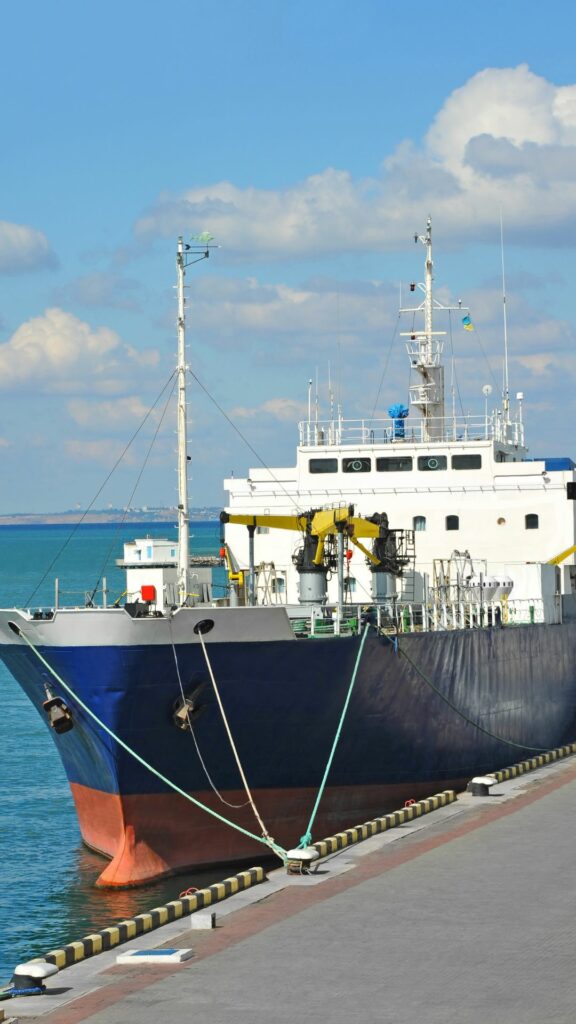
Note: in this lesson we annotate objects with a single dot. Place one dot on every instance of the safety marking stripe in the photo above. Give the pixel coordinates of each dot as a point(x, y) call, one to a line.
point(533, 762)
point(387, 821)
point(108, 938)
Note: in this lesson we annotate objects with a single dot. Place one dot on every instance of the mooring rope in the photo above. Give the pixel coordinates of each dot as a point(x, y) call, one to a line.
point(278, 850)
point(306, 839)
point(265, 832)
point(213, 786)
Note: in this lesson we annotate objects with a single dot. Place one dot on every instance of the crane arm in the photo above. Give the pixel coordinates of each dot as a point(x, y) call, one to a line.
point(274, 522)
point(321, 522)
point(372, 558)
point(562, 556)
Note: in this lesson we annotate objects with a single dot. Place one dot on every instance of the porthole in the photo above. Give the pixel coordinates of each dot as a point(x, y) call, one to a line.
point(501, 521)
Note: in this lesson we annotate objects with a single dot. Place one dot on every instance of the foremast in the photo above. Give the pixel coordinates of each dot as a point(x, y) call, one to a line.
point(183, 513)
point(185, 255)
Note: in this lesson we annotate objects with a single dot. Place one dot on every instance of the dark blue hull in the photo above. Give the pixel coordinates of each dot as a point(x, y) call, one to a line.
point(502, 694)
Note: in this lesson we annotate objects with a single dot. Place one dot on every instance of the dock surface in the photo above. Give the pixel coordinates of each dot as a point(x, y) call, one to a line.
point(465, 916)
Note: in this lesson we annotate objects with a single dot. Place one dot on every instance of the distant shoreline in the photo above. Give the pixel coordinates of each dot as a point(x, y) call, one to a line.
point(71, 518)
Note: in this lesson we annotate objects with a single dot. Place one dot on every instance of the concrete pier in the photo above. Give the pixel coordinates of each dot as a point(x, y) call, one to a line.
point(465, 916)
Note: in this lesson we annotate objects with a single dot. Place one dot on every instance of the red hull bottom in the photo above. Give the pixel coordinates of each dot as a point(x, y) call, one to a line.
point(151, 836)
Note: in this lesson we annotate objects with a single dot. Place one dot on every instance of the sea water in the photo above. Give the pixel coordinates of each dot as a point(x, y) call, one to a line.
point(47, 892)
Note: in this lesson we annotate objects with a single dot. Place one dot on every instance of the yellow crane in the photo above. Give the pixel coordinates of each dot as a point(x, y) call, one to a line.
point(562, 556)
point(317, 527)
point(320, 523)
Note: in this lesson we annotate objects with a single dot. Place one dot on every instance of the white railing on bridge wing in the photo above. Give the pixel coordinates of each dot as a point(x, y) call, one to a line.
point(387, 431)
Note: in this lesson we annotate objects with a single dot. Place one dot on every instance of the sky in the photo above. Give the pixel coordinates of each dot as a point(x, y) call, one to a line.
point(312, 140)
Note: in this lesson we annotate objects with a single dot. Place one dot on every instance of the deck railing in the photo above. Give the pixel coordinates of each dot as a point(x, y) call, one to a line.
point(393, 431)
point(434, 617)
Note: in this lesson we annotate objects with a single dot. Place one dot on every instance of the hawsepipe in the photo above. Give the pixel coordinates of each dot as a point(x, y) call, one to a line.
point(107, 938)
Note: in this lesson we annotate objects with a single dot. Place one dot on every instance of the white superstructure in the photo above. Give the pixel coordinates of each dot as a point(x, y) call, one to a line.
point(462, 484)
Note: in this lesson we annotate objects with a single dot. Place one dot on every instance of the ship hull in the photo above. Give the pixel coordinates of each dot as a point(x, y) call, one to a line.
point(442, 708)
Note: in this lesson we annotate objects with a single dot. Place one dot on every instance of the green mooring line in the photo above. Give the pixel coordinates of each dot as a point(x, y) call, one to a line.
point(306, 839)
point(279, 850)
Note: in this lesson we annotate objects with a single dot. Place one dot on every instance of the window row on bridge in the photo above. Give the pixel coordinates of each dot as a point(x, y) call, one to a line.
point(395, 464)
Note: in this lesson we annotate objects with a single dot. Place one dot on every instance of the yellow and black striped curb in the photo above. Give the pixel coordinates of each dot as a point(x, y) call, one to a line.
point(383, 824)
point(100, 941)
point(534, 762)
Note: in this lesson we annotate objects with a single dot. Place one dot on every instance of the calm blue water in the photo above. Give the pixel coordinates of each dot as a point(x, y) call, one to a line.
point(47, 895)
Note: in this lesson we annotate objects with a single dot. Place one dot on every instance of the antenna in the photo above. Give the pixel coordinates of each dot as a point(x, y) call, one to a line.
point(505, 386)
point(486, 391)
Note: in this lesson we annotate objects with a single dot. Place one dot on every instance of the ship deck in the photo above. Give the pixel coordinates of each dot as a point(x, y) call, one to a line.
point(465, 915)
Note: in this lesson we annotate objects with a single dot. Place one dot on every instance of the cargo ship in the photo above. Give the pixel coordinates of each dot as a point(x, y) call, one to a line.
point(407, 586)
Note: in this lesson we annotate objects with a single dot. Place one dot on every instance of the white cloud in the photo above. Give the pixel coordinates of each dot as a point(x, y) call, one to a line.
point(113, 413)
point(106, 451)
point(23, 248)
point(59, 352)
point(321, 307)
point(286, 410)
point(510, 103)
point(502, 139)
point(102, 289)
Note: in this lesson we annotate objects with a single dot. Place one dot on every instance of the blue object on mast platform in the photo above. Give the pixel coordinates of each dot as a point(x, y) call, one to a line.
point(398, 413)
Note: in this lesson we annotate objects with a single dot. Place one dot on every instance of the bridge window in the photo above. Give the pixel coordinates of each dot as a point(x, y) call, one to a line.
point(531, 521)
point(466, 462)
point(323, 465)
point(419, 523)
point(356, 465)
point(401, 464)
point(432, 462)
point(452, 523)
point(262, 529)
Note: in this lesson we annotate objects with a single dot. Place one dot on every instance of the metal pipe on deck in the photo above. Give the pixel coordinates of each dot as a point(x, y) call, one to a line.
point(340, 536)
point(251, 574)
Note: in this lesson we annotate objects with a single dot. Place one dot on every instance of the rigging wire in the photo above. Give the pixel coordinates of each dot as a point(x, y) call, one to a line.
point(244, 439)
point(385, 367)
point(454, 374)
point(114, 541)
point(65, 544)
point(486, 360)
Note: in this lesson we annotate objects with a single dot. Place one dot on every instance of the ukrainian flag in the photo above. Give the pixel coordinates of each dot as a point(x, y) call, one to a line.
point(467, 323)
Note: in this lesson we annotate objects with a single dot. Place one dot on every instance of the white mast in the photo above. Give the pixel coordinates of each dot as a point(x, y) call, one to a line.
point(183, 522)
point(185, 255)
